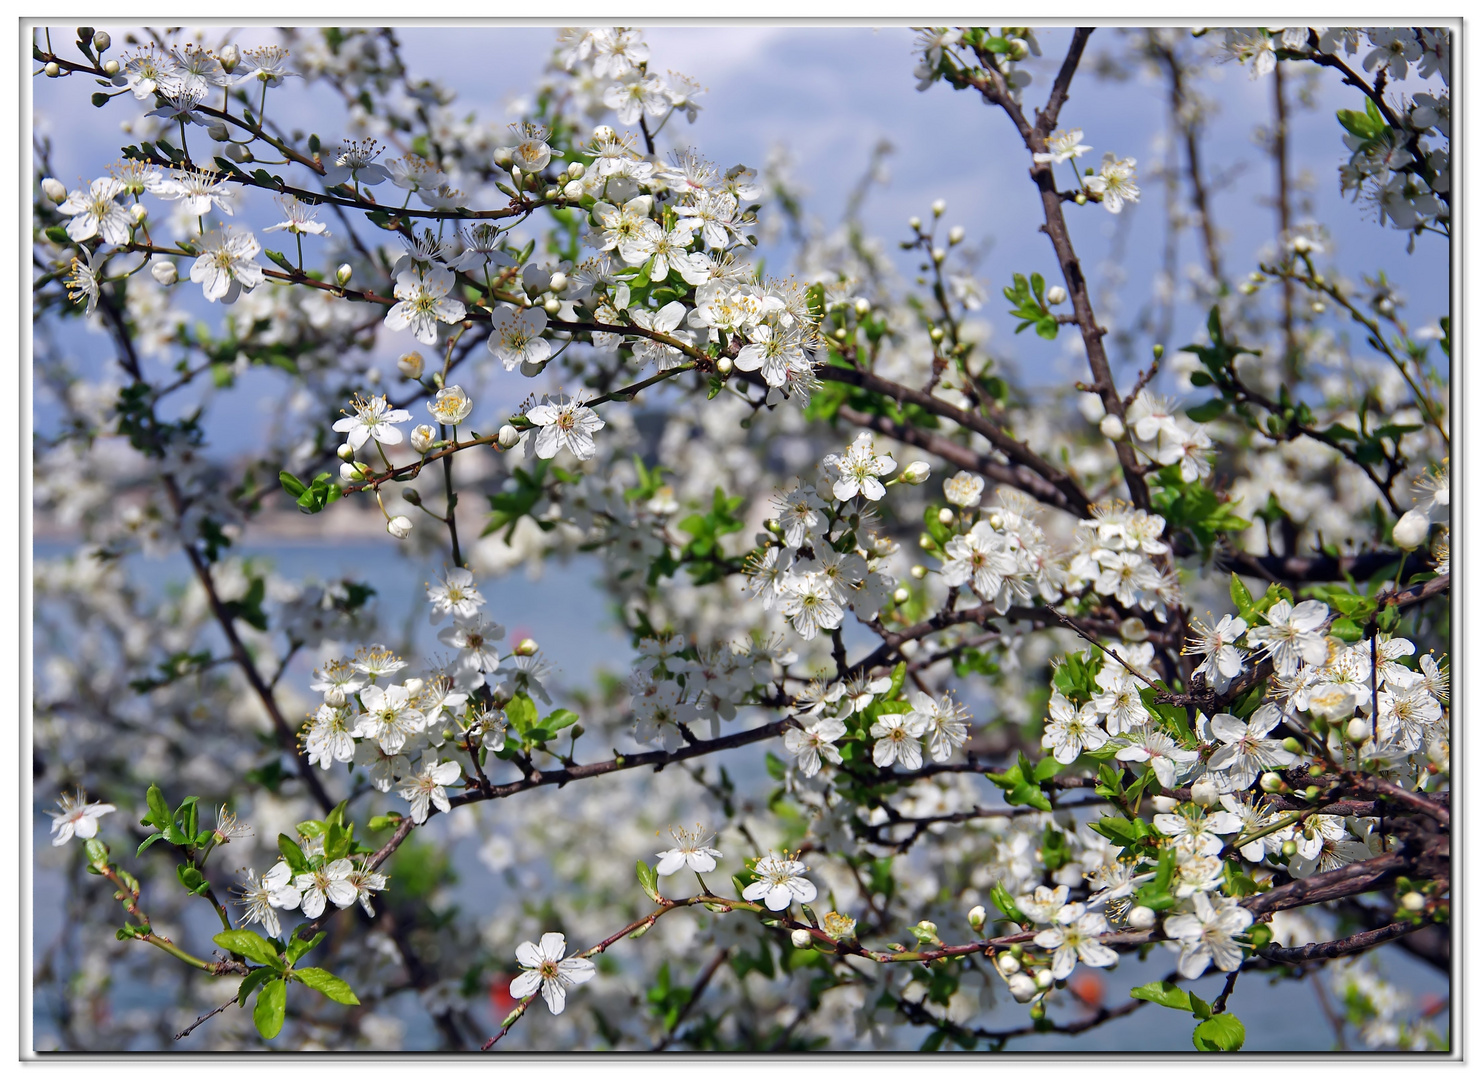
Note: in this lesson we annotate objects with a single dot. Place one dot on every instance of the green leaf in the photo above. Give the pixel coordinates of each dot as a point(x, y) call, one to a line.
point(559, 720)
point(1221, 1033)
point(647, 877)
point(291, 484)
point(1208, 410)
point(159, 810)
point(1347, 630)
point(1200, 1008)
point(272, 1005)
point(293, 854)
point(1241, 595)
point(331, 986)
point(255, 978)
point(1047, 327)
point(522, 713)
point(298, 946)
point(249, 944)
point(1163, 993)
point(1005, 903)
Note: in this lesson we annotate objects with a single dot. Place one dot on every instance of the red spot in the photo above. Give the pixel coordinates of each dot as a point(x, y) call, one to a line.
point(1088, 988)
point(498, 995)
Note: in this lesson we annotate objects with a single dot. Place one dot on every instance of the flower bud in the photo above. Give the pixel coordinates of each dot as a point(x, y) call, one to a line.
point(1271, 782)
point(1080, 199)
point(602, 133)
point(343, 274)
point(111, 68)
point(423, 438)
point(1411, 530)
point(1140, 917)
point(977, 917)
point(139, 212)
point(352, 472)
point(230, 56)
point(1291, 743)
point(552, 192)
point(802, 939)
point(1112, 427)
point(1413, 901)
point(916, 473)
point(411, 365)
point(956, 235)
point(1300, 245)
point(503, 157)
point(724, 365)
point(163, 271)
point(552, 306)
point(1008, 964)
point(938, 207)
point(1359, 730)
point(1289, 848)
point(901, 595)
point(52, 69)
point(937, 335)
point(101, 41)
point(1164, 804)
point(914, 223)
point(1056, 294)
point(238, 153)
point(1022, 987)
point(346, 452)
point(508, 436)
point(54, 189)
point(573, 190)
point(1044, 978)
point(399, 526)
point(917, 572)
point(576, 171)
point(558, 282)
point(861, 306)
point(218, 132)
point(1205, 792)
point(527, 647)
point(937, 255)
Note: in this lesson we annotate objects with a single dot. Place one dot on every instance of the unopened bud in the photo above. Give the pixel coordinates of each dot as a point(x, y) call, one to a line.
point(1313, 793)
point(238, 153)
point(1112, 427)
point(1359, 731)
point(1056, 294)
point(102, 42)
point(1205, 792)
point(345, 452)
point(503, 157)
point(1140, 917)
point(938, 207)
point(802, 939)
point(1079, 199)
point(343, 274)
point(1163, 804)
point(956, 235)
point(1413, 901)
point(917, 572)
point(917, 472)
point(937, 334)
point(724, 365)
point(423, 438)
point(139, 212)
point(1289, 848)
point(111, 68)
point(352, 472)
point(527, 647)
point(399, 526)
point(551, 305)
point(977, 917)
point(1008, 964)
point(558, 282)
point(230, 56)
point(1271, 782)
point(84, 34)
point(573, 190)
point(901, 595)
point(914, 223)
point(54, 189)
point(1022, 987)
point(603, 133)
point(1158, 351)
point(508, 436)
point(576, 171)
point(946, 515)
point(218, 131)
point(1291, 743)
point(1411, 530)
point(164, 272)
point(937, 255)
point(861, 306)
point(552, 192)
point(1044, 978)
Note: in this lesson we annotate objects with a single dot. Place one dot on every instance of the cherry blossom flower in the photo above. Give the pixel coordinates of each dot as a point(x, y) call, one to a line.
point(1206, 934)
point(1291, 635)
point(546, 970)
point(429, 787)
point(858, 469)
point(565, 424)
point(898, 739)
point(779, 882)
point(77, 816)
point(373, 418)
point(1075, 937)
point(515, 338)
point(94, 213)
point(329, 882)
point(424, 302)
point(226, 265)
point(814, 743)
point(263, 896)
point(1071, 731)
point(690, 849)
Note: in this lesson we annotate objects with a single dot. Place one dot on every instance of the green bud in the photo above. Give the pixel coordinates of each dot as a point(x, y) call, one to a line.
point(1291, 744)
